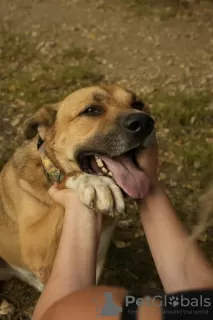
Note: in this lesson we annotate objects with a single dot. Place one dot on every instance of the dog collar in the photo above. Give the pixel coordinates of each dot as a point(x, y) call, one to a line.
point(51, 171)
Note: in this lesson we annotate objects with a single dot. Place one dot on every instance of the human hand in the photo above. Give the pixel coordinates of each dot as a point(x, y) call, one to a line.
point(76, 213)
point(147, 160)
point(65, 197)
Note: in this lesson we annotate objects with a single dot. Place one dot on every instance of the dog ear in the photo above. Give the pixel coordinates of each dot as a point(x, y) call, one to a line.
point(44, 117)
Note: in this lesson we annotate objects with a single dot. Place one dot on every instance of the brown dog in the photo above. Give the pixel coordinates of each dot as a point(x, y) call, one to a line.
point(88, 141)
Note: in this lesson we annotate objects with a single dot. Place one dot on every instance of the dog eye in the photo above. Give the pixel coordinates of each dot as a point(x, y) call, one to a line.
point(92, 111)
point(139, 105)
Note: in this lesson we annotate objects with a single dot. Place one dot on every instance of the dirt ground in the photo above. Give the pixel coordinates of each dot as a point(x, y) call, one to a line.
point(163, 50)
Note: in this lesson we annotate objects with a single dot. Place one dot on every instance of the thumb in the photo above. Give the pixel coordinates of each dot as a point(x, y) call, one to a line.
point(54, 191)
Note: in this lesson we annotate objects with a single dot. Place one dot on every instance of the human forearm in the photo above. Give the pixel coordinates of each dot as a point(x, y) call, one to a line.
point(74, 266)
point(75, 256)
point(179, 261)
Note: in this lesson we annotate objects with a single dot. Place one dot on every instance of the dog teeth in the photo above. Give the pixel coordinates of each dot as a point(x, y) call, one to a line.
point(104, 170)
point(102, 167)
point(99, 162)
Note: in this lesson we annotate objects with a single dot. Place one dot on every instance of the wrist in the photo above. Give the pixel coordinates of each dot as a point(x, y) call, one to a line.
point(155, 191)
point(73, 203)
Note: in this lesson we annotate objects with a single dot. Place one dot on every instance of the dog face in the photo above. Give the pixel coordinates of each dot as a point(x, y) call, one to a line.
point(91, 125)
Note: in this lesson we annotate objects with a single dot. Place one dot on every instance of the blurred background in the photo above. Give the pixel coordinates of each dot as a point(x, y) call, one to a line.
point(162, 50)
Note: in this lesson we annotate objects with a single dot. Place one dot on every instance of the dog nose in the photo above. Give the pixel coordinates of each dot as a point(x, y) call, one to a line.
point(139, 124)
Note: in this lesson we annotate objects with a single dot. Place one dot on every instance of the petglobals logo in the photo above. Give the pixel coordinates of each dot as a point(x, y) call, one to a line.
point(174, 301)
point(172, 304)
point(148, 301)
point(175, 304)
point(110, 308)
point(183, 301)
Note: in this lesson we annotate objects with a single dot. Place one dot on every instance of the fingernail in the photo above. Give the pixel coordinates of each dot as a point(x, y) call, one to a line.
point(91, 205)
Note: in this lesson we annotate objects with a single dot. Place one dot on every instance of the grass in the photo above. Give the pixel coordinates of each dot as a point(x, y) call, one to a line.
point(188, 120)
point(42, 79)
point(166, 9)
point(184, 124)
point(30, 78)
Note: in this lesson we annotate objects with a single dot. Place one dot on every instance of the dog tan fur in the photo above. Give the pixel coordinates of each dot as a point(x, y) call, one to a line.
point(30, 222)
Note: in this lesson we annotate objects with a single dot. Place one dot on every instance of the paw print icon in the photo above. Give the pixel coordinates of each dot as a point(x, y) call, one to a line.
point(173, 301)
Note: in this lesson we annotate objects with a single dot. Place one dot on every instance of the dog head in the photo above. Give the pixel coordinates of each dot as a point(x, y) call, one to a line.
point(96, 130)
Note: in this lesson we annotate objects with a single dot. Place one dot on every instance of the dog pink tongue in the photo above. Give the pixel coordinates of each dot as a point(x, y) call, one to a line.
point(128, 177)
